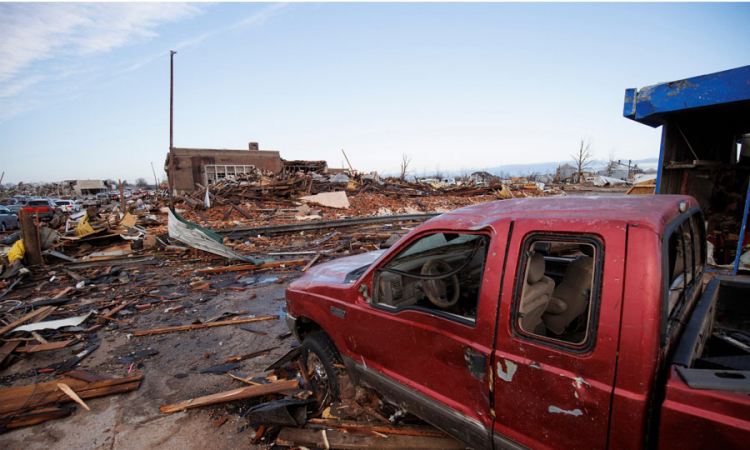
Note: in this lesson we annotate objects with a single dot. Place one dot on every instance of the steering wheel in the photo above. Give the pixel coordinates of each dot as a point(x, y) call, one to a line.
point(436, 288)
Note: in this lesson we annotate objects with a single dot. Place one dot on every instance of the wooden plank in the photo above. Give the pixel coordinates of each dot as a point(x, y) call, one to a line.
point(38, 416)
point(6, 350)
point(114, 311)
point(63, 292)
point(248, 267)
point(312, 261)
point(406, 430)
point(72, 394)
point(85, 376)
point(236, 394)
point(30, 231)
point(249, 355)
point(237, 208)
point(46, 393)
point(303, 437)
point(45, 347)
point(23, 319)
point(201, 325)
point(244, 380)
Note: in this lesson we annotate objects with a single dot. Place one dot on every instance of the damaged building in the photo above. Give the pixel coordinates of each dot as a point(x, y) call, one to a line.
point(85, 187)
point(204, 166)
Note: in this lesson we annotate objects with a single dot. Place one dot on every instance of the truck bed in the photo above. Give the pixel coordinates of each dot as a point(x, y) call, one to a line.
point(714, 352)
point(707, 398)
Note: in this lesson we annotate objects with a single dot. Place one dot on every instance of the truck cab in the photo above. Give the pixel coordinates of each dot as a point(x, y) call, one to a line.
point(526, 323)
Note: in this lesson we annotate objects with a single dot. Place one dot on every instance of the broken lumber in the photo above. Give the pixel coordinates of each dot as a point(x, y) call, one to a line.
point(201, 325)
point(45, 347)
point(45, 394)
point(312, 261)
point(104, 318)
point(249, 355)
point(6, 351)
point(23, 319)
point(302, 437)
point(247, 267)
point(72, 394)
point(406, 430)
point(38, 416)
point(236, 394)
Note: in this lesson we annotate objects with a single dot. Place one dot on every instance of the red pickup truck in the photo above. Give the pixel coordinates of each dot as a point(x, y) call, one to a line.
point(541, 323)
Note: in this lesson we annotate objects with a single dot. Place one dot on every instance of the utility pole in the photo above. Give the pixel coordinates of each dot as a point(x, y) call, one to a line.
point(171, 132)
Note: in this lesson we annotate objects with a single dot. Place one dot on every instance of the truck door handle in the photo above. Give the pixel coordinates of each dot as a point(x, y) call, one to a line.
point(475, 363)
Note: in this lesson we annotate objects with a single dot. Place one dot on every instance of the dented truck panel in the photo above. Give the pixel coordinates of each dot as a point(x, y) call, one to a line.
point(571, 387)
point(711, 419)
point(523, 390)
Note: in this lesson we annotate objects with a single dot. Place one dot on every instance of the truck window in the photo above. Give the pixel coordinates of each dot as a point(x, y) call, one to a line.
point(685, 253)
point(439, 274)
point(557, 293)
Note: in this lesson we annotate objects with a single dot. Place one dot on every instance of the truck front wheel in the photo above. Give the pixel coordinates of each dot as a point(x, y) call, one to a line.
point(322, 364)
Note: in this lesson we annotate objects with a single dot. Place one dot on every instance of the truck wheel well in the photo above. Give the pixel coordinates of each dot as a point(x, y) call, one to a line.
point(306, 326)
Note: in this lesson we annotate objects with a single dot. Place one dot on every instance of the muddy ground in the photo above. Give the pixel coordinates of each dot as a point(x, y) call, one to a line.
point(133, 420)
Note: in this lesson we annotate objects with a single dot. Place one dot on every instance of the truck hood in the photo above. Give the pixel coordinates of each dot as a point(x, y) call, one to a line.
point(341, 270)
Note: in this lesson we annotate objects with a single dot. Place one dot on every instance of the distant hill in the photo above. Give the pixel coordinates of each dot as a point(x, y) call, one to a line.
point(517, 170)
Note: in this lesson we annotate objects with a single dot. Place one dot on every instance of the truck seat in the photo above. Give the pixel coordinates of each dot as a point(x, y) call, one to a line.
point(536, 294)
point(572, 295)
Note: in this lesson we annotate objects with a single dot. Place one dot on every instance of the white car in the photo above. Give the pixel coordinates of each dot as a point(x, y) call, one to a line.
point(68, 206)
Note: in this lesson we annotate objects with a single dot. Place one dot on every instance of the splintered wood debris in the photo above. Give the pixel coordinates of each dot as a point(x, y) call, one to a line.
point(112, 273)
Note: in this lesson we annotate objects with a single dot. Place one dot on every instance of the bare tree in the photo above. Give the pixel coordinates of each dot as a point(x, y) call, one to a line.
point(405, 160)
point(141, 183)
point(582, 158)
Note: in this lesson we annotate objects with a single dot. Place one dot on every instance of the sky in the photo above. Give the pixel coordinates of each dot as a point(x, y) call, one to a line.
point(84, 87)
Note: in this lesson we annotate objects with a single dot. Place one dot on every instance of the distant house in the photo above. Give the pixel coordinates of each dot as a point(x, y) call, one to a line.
point(567, 172)
point(616, 170)
point(620, 171)
point(86, 187)
point(546, 179)
point(481, 178)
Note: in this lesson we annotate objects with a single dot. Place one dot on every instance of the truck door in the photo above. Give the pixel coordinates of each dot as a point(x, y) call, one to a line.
point(556, 352)
point(429, 339)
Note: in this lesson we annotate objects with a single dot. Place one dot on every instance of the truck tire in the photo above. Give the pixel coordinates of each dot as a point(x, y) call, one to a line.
point(323, 361)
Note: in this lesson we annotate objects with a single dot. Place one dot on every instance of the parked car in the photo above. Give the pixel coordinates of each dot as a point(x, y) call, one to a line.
point(91, 200)
point(68, 206)
point(8, 219)
point(541, 323)
point(114, 196)
point(44, 207)
point(102, 198)
point(12, 204)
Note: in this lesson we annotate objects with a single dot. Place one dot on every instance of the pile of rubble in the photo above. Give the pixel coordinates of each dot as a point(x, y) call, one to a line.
point(69, 286)
point(266, 198)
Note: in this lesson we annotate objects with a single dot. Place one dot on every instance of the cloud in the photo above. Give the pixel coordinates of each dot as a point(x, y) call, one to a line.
point(31, 33)
point(256, 19)
point(260, 17)
point(13, 88)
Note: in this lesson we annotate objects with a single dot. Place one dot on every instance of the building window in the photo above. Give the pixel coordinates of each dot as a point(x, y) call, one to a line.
point(216, 172)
